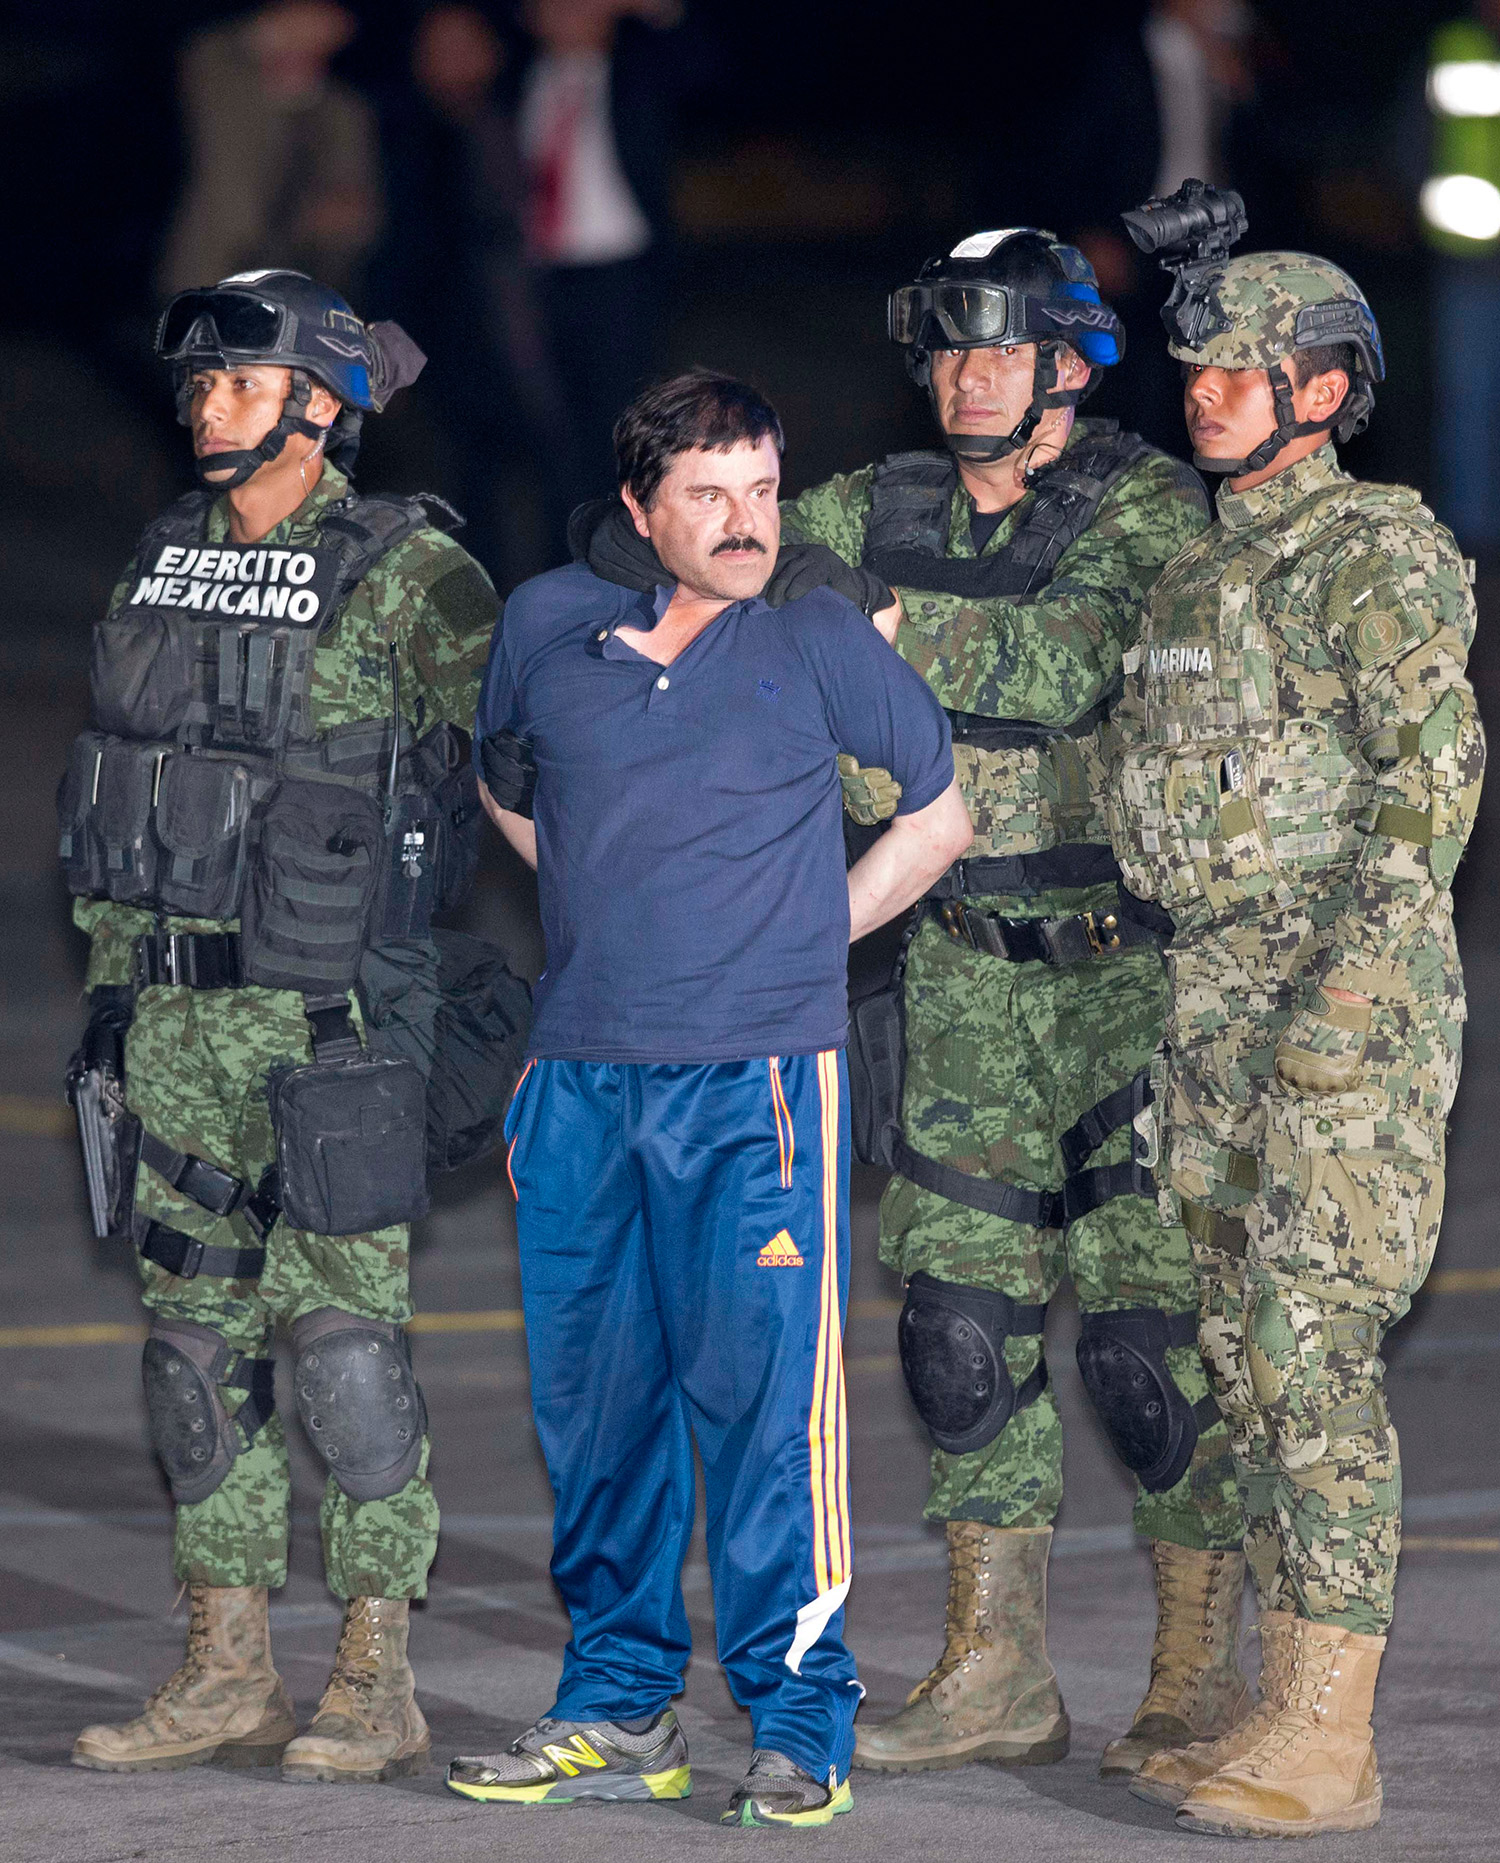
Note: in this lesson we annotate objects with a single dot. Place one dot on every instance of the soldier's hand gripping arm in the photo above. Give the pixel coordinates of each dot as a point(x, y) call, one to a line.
point(1048, 659)
point(1401, 615)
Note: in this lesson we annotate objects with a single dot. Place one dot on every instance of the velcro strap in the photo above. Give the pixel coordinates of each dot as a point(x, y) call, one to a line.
point(262, 1209)
point(1086, 1135)
point(187, 1258)
point(1206, 1412)
point(257, 1378)
point(191, 960)
point(1030, 1389)
point(1355, 1417)
point(209, 1187)
point(1403, 824)
point(334, 1037)
point(1214, 1230)
point(1086, 1191)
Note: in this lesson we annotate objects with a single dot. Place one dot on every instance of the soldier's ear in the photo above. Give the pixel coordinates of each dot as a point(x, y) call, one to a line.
point(322, 406)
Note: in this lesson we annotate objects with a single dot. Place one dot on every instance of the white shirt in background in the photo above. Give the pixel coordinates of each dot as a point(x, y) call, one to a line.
point(583, 212)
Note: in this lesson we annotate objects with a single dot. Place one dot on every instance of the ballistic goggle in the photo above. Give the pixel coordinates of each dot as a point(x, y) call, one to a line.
point(949, 314)
point(223, 322)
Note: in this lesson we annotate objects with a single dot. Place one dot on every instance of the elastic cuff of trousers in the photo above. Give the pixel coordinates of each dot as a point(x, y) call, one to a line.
point(224, 1577)
point(1030, 1518)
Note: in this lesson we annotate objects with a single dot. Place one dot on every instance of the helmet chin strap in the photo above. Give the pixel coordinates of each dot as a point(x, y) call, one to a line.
point(1287, 427)
point(244, 462)
point(984, 449)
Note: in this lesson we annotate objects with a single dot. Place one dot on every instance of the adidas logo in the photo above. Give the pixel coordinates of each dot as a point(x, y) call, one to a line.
point(779, 1252)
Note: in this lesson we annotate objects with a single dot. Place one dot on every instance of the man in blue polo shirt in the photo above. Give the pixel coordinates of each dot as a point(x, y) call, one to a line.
point(679, 1144)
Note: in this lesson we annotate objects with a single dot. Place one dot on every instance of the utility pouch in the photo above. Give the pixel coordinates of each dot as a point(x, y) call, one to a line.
point(456, 799)
point(351, 1132)
point(312, 884)
point(203, 826)
point(104, 813)
point(877, 1060)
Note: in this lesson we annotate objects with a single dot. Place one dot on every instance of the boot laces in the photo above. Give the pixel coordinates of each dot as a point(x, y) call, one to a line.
point(194, 1664)
point(1308, 1687)
point(1187, 1628)
point(968, 1609)
point(357, 1664)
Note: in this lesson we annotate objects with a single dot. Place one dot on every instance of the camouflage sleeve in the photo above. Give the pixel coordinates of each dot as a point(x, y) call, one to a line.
point(1052, 658)
point(445, 612)
point(112, 930)
point(833, 513)
point(1399, 606)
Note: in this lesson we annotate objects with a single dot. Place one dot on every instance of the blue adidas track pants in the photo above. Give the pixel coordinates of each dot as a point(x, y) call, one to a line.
point(684, 1237)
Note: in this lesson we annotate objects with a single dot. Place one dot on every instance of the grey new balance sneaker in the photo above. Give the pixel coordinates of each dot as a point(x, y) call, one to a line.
point(556, 1762)
point(775, 1791)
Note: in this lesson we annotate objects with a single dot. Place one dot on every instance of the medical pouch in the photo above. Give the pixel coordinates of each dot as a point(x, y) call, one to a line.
point(307, 906)
point(203, 809)
point(351, 1143)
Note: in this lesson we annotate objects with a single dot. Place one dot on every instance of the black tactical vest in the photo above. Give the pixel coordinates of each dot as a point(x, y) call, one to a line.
point(200, 683)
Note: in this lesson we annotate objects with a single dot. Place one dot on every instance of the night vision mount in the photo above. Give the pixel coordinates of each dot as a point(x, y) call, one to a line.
point(1190, 232)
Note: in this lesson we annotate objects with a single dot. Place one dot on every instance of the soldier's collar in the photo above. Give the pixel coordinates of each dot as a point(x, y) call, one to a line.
point(1264, 503)
point(331, 486)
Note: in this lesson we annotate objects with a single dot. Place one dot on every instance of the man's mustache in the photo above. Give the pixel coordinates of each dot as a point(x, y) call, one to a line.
point(733, 545)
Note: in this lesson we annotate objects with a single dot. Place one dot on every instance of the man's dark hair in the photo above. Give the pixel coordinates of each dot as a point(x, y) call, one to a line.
point(699, 408)
point(1306, 363)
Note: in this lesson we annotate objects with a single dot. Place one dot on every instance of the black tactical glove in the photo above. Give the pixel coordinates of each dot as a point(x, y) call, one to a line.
point(803, 567)
point(509, 771)
point(602, 534)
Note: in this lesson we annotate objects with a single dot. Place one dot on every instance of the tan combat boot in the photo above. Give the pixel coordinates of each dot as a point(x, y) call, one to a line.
point(993, 1694)
point(225, 1703)
point(1168, 1777)
point(1197, 1691)
point(368, 1725)
point(1313, 1769)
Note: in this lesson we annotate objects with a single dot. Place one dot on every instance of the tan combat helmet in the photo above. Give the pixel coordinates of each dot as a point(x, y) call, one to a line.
point(1254, 310)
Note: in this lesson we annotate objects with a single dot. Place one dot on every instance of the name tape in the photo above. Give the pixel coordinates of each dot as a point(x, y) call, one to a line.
point(282, 585)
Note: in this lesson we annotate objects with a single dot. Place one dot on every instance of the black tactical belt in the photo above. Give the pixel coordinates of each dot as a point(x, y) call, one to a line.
point(1077, 864)
point(187, 1257)
point(1042, 941)
point(197, 960)
point(217, 1191)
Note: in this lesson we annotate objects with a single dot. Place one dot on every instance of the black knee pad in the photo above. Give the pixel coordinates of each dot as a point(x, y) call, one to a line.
point(1123, 1359)
point(359, 1401)
point(952, 1345)
point(184, 1365)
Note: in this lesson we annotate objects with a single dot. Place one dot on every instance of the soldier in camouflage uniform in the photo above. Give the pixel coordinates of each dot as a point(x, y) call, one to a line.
point(1301, 759)
point(272, 370)
point(1033, 1008)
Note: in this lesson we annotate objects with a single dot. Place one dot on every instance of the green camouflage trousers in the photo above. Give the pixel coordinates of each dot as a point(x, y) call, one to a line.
point(1002, 1059)
point(196, 1064)
point(1314, 1221)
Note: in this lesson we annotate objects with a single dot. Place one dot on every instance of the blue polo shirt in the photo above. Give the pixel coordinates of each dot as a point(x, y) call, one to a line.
point(690, 851)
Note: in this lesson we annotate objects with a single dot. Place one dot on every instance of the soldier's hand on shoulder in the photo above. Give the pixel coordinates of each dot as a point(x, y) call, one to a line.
point(1322, 1048)
point(602, 534)
point(870, 795)
point(803, 567)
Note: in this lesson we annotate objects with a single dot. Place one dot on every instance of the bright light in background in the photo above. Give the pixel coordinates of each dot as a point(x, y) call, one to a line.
point(1463, 204)
point(1465, 87)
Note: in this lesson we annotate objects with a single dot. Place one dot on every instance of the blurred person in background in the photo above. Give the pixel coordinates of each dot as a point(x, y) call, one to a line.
point(284, 165)
point(454, 267)
point(1460, 211)
point(595, 95)
point(1033, 1007)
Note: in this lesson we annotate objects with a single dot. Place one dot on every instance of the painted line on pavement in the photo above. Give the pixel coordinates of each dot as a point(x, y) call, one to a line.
point(59, 1669)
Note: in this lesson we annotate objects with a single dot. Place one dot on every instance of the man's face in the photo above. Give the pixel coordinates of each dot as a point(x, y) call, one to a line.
point(232, 410)
point(714, 520)
point(1228, 411)
point(988, 390)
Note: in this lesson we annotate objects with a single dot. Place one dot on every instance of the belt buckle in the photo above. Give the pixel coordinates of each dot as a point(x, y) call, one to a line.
point(1103, 934)
point(192, 1261)
point(172, 959)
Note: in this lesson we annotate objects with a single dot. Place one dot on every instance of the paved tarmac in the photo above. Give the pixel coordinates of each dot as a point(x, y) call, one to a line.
point(87, 1619)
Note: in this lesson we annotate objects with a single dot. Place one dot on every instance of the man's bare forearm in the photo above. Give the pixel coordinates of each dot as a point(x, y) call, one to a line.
point(912, 853)
point(517, 829)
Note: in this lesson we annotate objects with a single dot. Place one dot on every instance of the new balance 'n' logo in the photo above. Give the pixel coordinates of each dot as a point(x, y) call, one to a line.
point(779, 1252)
point(571, 1758)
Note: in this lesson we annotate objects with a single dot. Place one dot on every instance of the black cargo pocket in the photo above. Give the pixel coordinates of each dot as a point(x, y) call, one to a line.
point(202, 824)
point(307, 906)
point(351, 1144)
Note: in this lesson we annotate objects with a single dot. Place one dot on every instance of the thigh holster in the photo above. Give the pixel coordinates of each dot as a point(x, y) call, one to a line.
point(952, 1344)
point(1123, 1360)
